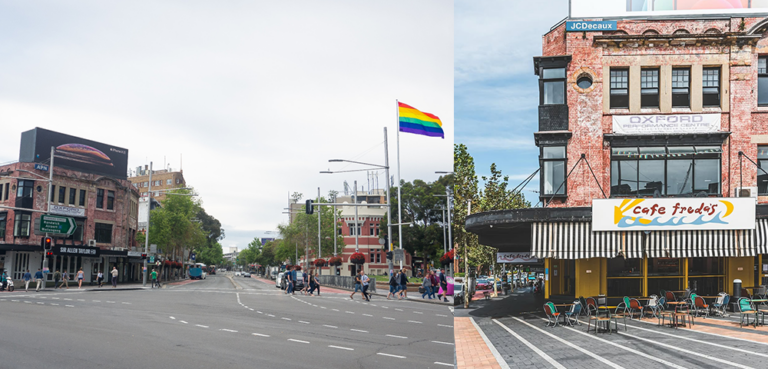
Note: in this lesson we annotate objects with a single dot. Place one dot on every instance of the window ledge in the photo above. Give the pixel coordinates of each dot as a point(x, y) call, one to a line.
point(618, 111)
point(762, 109)
point(681, 110)
point(711, 109)
point(550, 196)
point(655, 110)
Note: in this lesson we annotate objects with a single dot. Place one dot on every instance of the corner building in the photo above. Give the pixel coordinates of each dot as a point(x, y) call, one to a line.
point(658, 112)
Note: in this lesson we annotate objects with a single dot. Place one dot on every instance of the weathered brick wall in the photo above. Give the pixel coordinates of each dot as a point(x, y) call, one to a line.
point(588, 121)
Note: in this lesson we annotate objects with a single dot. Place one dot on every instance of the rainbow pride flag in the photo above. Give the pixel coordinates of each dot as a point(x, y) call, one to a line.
point(418, 122)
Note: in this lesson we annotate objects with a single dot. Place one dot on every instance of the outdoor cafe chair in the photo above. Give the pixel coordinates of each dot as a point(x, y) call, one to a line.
point(634, 306)
point(591, 306)
point(700, 306)
point(583, 302)
point(573, 314)
point(553, 317)
point(721, 304)
point(683, 313)
point(670, 296)
point(623, 305)
point(746, 310)
point(600, 320)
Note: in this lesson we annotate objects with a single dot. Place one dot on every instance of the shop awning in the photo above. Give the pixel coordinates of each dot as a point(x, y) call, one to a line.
point(700, 244)
point(575, 240)
point(762, 236)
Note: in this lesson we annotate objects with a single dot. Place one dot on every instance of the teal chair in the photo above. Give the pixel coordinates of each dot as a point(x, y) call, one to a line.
point(745, 310)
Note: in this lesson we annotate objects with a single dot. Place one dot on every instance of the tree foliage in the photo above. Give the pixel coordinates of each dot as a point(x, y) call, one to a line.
point(302, 234)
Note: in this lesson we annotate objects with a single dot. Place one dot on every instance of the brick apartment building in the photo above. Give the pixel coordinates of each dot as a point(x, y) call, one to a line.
point(656, 112)
point(97, 195)
point(163, 179)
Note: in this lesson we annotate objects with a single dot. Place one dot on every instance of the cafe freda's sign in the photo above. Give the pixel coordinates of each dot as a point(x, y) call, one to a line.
point(672, 214)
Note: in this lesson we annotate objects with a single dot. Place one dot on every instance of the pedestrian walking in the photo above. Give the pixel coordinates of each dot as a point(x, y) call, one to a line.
point(393, 284)
point(444, 285)
point(426, 284)
point(311, 284)
point(27, 278)
point(65, 279)
point(358, 285)
point(290, 279)
point(305, 278)
point(3, 281)
point(435, 283)
point(403, 284)
point(114, 277)
point(39, 280)
point(56, 278)
point(317, 284)
point(100, 278)
point(366, 281)
point(153, 277)
point(80, 277)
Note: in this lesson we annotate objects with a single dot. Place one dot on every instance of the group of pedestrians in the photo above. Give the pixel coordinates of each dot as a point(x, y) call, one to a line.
point(362, 282)
point(398, 284)
point(310, 285)
point(433, 283)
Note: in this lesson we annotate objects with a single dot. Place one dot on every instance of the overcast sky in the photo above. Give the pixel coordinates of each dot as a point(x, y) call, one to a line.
point(497, 93)
point(256, 95)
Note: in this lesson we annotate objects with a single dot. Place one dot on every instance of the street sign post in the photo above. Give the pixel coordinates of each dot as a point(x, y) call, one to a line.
point(57, 224)
point(152, 259)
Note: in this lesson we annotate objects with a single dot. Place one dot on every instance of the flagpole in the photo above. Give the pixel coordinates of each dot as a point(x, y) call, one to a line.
point(399, 203)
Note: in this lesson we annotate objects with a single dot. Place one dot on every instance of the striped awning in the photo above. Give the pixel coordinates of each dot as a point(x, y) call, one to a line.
point(700, 244)
point(575, 240)
point(761, 246)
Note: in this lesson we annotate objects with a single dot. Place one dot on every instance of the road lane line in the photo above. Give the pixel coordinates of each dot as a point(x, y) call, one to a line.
point(443, 343)
point(392, 335)
point(414, 321)
point(367, 315)
point(172, 317)
point(444, 316)
point(439, 363)
point(301, 321)
point(397, 356)
point(342, 348)
point(260, 335)
point(70, 306)
point(386, 317)
point(28, 302)
point(335, 309)
point(68, 299)
point(398, 309)
point(299, 341)
point(418, 312)
point(54, 298)
point(358, 330)
point(567, 343)
point(330, 326)
point(258, 311)
point(349, 312)
point(443, 325)
point(110, 302)
point(228, 330)
point(54, 304)
point(270, 315)
point(77, 299)
point(285, 318)
point(183, 321)
point(127, 303)
point(201, 326)
point(250, 309)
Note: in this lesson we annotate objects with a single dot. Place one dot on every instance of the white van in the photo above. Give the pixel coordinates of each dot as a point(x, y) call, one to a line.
point(279, 280)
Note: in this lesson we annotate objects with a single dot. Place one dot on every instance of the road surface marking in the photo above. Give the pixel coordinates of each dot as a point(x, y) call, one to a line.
point(201, 326)
point(413, 321)
point(93, 300)
point(55, 298)
point(358, 330)
point(41, 303)
point(443, 343)
point(301, 321)
point(349, 312)
point(183, 321)
point(342, 348)
point(373, 305)
point(418, 312)
point(285, 318)
point(439, 363)
point(68, 299)
point(250, 309)
point(392, 335)
point(77, 299)
point(367, 315)
point(15, 300)
point(227, 330)
point(110, 302)
point(70, 306)
point(299, 341)
point(127, 303)
point(172, 317)
point(330, 326)
point(443, 325)
point(54, 304)
point(27, 302)
point(260, 335)
point(322, 307)
point(386, 317)
point(270, 315)
point(444, 316)
point(386, 307)
point(397, 356)
point(398, 309)
point(335, 309)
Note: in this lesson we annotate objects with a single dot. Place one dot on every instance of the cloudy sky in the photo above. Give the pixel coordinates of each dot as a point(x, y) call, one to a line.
point(496, 90)
point(256, 95)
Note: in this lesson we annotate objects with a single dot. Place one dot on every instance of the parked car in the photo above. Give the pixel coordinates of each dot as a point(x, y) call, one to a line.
point(237, 274)
point(483, 284)
point(297, 286)
point(246, 275)
point(279, 281)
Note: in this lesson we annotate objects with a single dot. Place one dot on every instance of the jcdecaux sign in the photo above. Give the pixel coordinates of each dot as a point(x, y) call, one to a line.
point(590, 26)
point(673, 214)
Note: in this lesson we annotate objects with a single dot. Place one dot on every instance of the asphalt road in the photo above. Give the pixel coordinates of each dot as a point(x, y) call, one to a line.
point(211, 322)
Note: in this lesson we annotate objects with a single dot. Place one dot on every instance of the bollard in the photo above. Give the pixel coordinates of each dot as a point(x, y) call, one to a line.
point(736, 295)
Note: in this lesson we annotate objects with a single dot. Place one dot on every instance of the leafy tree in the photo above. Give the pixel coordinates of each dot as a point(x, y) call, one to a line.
point(267, 255)
point(213, 255)
point(296, 197)
point(303, 232)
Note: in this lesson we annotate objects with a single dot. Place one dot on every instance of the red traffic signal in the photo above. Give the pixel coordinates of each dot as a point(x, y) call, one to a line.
point(143, 256)
point(47, 243)
point(49, 253)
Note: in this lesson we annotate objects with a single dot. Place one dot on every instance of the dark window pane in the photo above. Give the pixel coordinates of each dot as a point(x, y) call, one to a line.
point(553, 152)
point(103, 233)
point(707, 176)
point(679, 177)
point(625, 173)
point(554, 175)
point(762, 177)
point(100, 198)
point(761, 66)
point(619, 88)
point(680, 87)
point(649, 100)
point(554, 92)
point(584, 83)
point(62, 194)
point(110, 200)
point(651, 177)
point(552, 73)
point(762, 90)
point(82, 198)
point(72, 195)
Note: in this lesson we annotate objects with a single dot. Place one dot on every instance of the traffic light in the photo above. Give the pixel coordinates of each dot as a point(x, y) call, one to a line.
point(389, 255)
point(309, 210)
point(49, 253)
point(47, 243)
point(143, 256)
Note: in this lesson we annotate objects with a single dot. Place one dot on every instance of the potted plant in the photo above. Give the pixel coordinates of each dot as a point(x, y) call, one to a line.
point(335, 261)
point(320, 263)
point(357, 258)
point(447, 258)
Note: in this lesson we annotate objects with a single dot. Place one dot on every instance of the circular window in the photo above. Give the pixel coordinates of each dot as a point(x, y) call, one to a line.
point(584, 82)
point(39, 189)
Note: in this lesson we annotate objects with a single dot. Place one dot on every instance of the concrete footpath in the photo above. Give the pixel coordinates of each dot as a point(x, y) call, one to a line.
point(105, 287)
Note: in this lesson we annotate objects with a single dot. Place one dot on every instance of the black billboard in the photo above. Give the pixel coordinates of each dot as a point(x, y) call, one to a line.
point(73, 153)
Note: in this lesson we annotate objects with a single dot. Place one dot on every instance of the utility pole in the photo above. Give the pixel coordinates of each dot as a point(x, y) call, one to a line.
point(357, 230)
point(335, 227)
point(48, 211)
point(449, 199)
point(146, 233)
point(319, 234)
point(389, 201)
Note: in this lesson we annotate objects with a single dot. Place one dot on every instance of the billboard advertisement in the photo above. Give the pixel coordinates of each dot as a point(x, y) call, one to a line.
point(673, 214)
point(74, 153)
point(645, 8)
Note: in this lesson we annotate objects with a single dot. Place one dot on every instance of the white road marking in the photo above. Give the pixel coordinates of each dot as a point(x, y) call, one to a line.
point(392, 335)
point(110, 302)
point(285, 318)
point(54, 298)
point(127, 303)
point(70, 306)
point(299, 341)
point(367, 315)
point(335, 309)
point(259, 312)
point(15, 300)
point(201, 326)
point(54, 304)
point(322, 307)
point(398, 309)
point(418, 312)
point(386, 307)
point(301, 321)
point(41, 303)
point(414, 321)
point(77, 299)
point(443, 343)
point(349, 312)
point(397, 356)
point(270, 315)
point(444, 316)
point(250, 309)
point(358, 330)
point(183, 321)
point(228, 330)
point(443, 325)
point(439, 363)
point(386, 317)
point(172, 317)
point(751, 352)
point(260, 335)
point(374, 305)
point(342, 348)
point(93, 300)
point(68, 299)
point(28, 302)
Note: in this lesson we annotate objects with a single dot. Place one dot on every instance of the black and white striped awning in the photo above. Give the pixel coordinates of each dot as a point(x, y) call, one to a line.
point(575, 240)
point(761, 246)
point(700, 244)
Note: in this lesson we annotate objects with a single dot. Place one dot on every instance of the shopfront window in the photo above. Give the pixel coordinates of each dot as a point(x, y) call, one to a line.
point(665, 171)
point(762, 170)
point(625, 277)
point(706, 275)
point(3, 222)
point(553, 86)
point(665, 274)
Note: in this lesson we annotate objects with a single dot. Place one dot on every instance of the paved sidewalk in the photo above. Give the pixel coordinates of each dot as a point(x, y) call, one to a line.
point(471, 350)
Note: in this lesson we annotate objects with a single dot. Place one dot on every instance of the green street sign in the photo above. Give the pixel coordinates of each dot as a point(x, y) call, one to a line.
point(152, 259)
point(57, 224)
